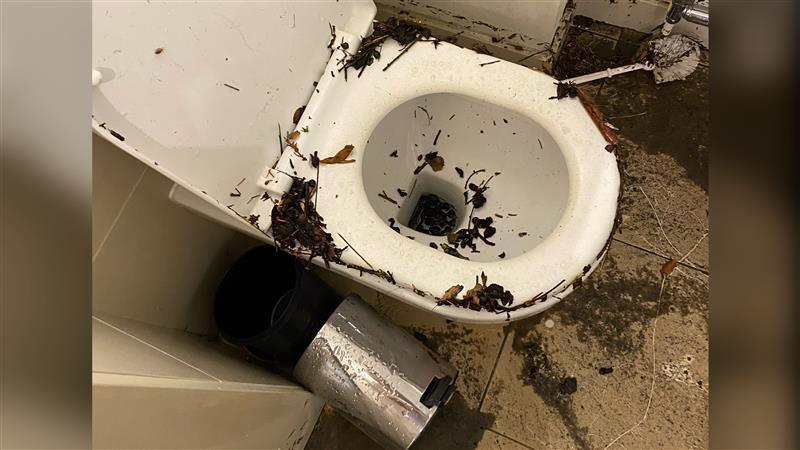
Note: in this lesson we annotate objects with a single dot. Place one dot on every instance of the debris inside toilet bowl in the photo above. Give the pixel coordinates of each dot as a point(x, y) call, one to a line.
point(452, 251)
point(386, 197)
point(433, 215)
point(478, 199)
point(392, 225)
point(431, 159)
point(465, 237)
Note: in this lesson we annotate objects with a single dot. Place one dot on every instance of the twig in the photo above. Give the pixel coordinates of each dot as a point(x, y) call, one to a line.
point(658, 219)
point(653, 382)
point(627, 116)
point(661, 255)
point(402, 52)
point(534, 54)
point(356, 251)
point(694, 247)
point(383, 195)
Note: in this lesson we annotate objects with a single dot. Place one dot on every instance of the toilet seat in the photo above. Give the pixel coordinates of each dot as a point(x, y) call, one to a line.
point(347, 112)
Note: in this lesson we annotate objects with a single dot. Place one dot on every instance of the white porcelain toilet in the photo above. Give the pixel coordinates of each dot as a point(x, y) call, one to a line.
point(552, 185)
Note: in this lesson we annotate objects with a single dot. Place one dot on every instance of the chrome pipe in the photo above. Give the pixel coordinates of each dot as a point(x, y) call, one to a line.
point(697, 14)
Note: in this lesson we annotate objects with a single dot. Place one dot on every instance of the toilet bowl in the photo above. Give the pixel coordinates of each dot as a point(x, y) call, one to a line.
point(552, 195)
point(551, 187)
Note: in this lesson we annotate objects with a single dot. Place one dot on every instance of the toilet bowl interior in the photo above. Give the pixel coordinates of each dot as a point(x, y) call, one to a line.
point(514, 158)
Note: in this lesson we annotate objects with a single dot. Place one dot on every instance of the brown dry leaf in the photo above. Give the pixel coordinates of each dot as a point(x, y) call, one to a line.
point(436, 163)
point(452, 292)
point(293, 136)
point(668, 267)
point(340, 157)
point(298, 114)
point(473, 295)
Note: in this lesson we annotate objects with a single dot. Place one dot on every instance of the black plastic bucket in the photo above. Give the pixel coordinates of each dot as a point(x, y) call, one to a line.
point(272, 306)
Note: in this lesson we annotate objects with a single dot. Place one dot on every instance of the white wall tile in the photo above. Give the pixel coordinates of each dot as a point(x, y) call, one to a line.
point(115, 352)
point(140, 412)
point(161, 263)
point(114, 176)
point(213, 357)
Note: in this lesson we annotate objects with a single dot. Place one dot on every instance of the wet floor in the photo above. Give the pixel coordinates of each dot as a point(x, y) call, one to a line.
point(623, 361)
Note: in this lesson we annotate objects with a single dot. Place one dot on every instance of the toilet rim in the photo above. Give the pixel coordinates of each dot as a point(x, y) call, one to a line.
point(358, 106)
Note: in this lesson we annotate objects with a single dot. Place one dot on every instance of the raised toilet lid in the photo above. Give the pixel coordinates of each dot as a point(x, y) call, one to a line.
point(198, 90)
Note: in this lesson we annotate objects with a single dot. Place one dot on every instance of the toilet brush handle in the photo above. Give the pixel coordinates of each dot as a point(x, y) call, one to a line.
point(608, 73)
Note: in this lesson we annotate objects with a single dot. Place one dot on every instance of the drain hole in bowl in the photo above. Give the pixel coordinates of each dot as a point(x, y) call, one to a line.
point(433, 215)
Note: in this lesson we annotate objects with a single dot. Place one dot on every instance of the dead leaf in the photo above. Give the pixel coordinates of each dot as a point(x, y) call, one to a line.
point(473, 295)
point(668, 267)
point(291, 137)
point(340, 157)
point(290, 141)
point(298, 114)
point(436, 163)
point(451, 293)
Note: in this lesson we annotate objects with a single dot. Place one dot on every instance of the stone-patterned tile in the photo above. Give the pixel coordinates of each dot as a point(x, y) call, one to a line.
point(494, 441)
point(608, 324)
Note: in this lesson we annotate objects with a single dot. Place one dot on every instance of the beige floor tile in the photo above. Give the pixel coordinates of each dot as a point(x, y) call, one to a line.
point(494, 441)
point(608, 323)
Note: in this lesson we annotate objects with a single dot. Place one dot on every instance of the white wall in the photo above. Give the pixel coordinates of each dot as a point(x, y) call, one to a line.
point(153, 261)
point(536, 19)
point(512, 30)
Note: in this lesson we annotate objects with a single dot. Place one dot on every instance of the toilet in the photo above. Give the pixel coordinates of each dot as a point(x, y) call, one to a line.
point(440, 125)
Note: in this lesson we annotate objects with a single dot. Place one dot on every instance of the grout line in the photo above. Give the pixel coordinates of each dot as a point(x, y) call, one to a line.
point(491, 375)
point(155, 348)
point(510, 438)
point(119, 213)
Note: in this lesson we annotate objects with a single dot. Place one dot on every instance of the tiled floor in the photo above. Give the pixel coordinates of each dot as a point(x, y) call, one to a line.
point(514, 390)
